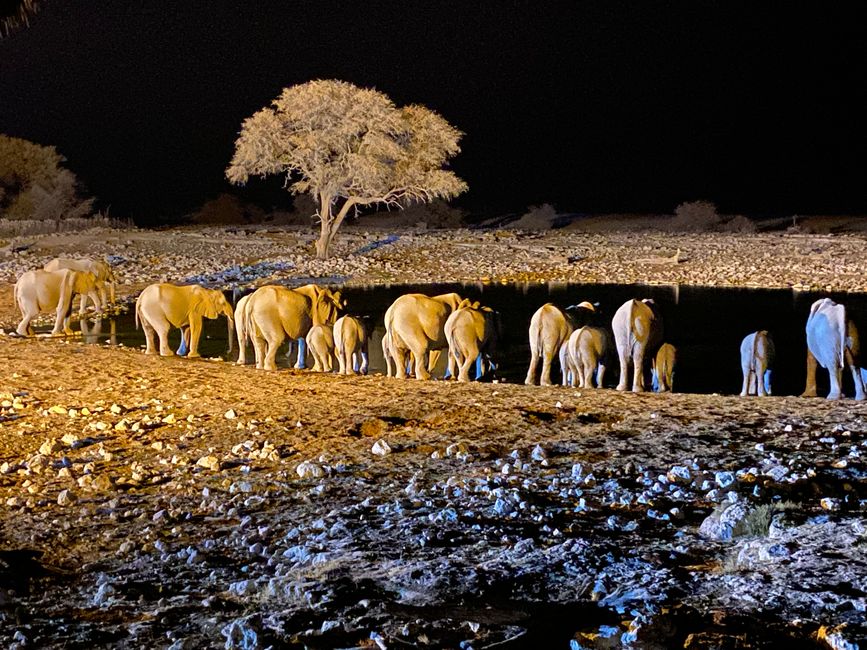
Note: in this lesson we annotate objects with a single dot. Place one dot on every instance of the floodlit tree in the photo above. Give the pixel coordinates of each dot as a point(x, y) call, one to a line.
point(34, 185)
point(15, 13)
point(348, 147)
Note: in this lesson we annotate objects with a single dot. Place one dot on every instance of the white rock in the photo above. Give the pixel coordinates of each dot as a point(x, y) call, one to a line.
point(209, 462)
point(230, 414)
point(308, 469)
point(381, 448)
point(66, 498)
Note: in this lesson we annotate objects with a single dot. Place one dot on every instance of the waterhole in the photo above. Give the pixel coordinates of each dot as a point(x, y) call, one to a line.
point(705, 324)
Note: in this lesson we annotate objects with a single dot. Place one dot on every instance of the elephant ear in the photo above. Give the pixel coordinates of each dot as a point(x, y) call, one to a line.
point(197, 304)
point(465, 304)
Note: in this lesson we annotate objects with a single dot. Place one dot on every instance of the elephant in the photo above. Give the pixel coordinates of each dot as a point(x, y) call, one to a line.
point(638, 331)
point(663, 367)
point(274, 312)
point(241, 329)
point(757, 358)
point(471, 332)
point(832, 342)
point(320, 341)
point(415, 324)
point(550, 328)
point(37, 291)
point(100, 268)
point(351, 338)
point(159, 307)
point(587, 350)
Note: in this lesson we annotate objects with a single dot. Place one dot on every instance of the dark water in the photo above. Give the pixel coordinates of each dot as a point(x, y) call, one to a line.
point(705, 324)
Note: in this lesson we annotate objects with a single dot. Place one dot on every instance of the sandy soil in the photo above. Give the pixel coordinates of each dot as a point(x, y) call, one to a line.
point(141, 492)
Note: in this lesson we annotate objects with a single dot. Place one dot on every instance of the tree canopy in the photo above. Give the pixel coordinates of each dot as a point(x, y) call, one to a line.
point(349, 147)
point(34, 185)
point(15, 13)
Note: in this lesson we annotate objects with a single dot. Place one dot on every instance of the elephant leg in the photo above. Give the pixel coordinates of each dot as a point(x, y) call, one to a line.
point(301, 363)
point(534, 363)
point(856, 375)
point(836, 376)
point(469, 358)
point(759, 374)
point(745, 388)
point(655, 383)
point(400, 361)
point(638, 370)
point(547, 362)
point(453, 364)
point(149, 333)
point(766, 380)
point(624, 368)
point(162, 330)
point(600, 375)
point(194, 333)
point(365, 359)
point(259, 351)
point(812, 364)
point(24, 328)
point(420, 354)
point(587, 374)
point(269, 362)
point(343, 356)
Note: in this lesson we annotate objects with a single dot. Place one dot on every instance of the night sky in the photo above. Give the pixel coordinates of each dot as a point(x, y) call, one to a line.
point(592, 106)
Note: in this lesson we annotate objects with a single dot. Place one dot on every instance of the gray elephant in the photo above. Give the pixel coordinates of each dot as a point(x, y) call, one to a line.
point(471, 331)
point(550, 328)
point(663, 367)
point(757, 360)
point(415, 324)
point(832, 342)
point(273, 312)
point(101, 270)
point(162, 306)
point(39, 291)
point(587, 352)
point(320, 342)
point(351, 339)
point(638, 331)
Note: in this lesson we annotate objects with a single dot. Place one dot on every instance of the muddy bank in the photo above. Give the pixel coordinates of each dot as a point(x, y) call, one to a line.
point(159, 502)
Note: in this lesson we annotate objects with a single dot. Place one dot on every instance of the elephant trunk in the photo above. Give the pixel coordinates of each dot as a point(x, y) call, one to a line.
point(230, 319)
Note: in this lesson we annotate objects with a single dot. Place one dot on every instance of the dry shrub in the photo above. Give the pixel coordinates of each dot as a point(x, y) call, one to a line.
point(537, 217)
point(25, 227)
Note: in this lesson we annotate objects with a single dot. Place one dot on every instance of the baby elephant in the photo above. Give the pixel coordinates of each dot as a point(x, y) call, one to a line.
point(662, 368)
point(320, 340)
point(351, 337)
point(757, 357)
point(585, 355)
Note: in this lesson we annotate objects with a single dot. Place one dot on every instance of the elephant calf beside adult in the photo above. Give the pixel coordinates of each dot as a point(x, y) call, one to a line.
point(42, 291)
point(351, 338)
point(415, 324)
point(163, 306)
point(587, 352)
point(832, 342)
point(638, 333)
point(550, 328)
point(272, 313)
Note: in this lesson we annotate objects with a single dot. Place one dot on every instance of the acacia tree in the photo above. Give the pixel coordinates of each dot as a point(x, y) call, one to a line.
point(15, 13)
point(348, 147)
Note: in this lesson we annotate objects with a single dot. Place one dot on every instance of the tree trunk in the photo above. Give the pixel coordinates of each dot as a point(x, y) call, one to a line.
point(326, 230)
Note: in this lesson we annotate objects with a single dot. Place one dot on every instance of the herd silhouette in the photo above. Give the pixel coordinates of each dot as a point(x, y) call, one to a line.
point(418, 328)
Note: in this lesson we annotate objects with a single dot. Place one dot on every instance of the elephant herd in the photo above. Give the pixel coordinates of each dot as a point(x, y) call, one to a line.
point(418, 328)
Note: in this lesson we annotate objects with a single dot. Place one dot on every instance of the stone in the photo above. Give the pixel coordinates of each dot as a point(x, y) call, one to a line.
point(209, 462)
point(66, 498)
point(720, 524)
point(50, 446)
point(381, 448)
point(308, 469)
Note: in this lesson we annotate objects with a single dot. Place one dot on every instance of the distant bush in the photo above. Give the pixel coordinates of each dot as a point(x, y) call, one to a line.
point(227, 209)
point(537, 217)
point(34, 185)
point(25, 227)
point(703, 216)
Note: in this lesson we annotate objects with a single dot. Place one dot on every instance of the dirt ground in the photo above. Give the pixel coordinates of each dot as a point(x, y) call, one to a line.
point(155, 502)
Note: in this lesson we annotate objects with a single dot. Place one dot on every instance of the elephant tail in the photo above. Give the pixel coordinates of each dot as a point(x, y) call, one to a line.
point(756, 338)
point(137, 310)
point(844, 343)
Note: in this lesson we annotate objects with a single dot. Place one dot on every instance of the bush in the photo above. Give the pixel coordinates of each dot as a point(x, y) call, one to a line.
point(537, 217)
point(34, 185)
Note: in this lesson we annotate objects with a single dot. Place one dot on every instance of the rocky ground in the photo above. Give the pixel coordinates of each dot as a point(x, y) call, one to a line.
point(188, 504)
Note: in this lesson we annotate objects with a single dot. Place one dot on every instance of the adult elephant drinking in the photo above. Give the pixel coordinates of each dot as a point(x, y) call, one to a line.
point(415, 324)
point(163, 306)
point(832, 342)
point(37, 291)
point(637, 329)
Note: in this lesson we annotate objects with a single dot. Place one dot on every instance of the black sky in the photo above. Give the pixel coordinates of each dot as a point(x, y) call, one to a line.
point(592, 106)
